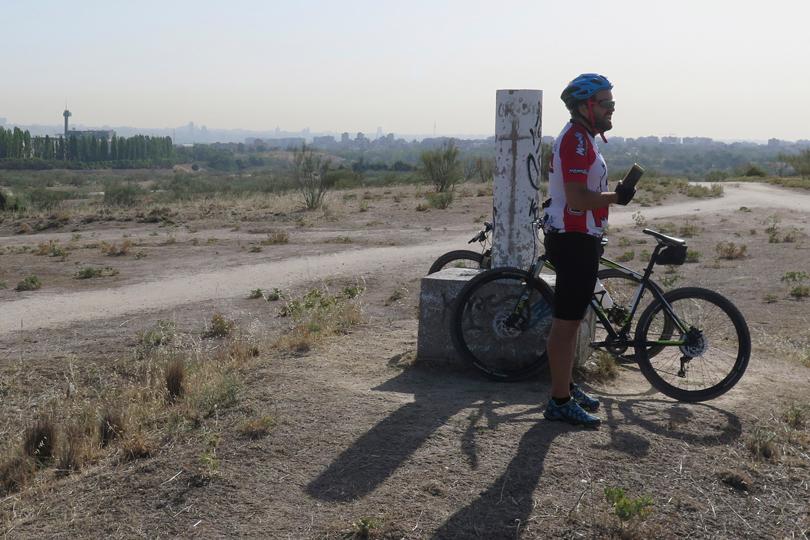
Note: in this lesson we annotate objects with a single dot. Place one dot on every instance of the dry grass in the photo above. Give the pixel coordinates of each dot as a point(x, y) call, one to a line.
point(256, 428)
point(276, 236)
point(112, 249)
point(39, 441)
point(730, 250)
point(601, 367)
point(110, 427)
point(319, 314)
point(137, 446)
point(16, 473)
point(175, 375)
point(73, 451)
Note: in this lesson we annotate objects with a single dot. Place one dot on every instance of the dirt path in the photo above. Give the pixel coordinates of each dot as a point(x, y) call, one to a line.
point(48, 310)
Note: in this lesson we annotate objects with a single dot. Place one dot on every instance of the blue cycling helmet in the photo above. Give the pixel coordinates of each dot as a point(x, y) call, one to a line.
point(582, 88)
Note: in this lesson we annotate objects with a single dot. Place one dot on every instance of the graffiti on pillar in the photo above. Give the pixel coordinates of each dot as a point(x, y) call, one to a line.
point(533, 161)
point(534, 210)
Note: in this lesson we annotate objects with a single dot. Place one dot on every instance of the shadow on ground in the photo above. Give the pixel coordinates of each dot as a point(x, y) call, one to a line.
point(500, 510)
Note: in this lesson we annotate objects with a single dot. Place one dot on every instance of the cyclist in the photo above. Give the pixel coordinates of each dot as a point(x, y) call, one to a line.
point(574, 223)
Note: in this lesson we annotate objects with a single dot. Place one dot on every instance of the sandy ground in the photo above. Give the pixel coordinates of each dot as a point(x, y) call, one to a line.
point(366, 435)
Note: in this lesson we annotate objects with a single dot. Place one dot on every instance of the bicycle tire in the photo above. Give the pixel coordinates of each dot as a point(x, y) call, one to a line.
point(456, 256)
point(502, 338)
point(622, 287)
point(722, 339)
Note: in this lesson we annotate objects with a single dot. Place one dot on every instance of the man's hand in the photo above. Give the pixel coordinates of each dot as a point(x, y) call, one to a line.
point(625, 194)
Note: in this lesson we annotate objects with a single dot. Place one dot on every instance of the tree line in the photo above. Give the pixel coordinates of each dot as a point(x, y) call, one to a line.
point(16, 144)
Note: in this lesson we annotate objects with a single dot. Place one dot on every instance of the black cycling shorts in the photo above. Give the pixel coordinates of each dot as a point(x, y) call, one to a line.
point(575, 257)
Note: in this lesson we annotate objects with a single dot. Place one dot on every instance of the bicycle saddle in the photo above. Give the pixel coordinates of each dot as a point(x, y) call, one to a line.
point(664, 239)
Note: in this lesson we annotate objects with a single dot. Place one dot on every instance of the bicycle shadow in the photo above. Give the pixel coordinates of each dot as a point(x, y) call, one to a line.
point(501, 510)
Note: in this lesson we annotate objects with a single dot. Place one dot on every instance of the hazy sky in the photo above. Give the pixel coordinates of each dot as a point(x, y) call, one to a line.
point(735, 69)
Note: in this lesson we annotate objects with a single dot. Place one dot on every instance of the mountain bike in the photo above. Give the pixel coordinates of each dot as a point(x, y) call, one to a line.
point(692, 344)
point(465, 258)
point(617, 282)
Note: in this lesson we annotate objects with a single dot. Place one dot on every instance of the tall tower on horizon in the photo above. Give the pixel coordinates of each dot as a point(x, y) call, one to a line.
point(67, 115)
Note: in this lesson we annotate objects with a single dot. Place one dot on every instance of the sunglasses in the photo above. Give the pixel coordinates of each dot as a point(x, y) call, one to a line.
point(607, 104)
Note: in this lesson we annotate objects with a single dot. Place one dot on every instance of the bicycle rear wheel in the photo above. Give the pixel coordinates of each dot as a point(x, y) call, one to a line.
point(500, 323)
point(461, 258)
point(715, 351)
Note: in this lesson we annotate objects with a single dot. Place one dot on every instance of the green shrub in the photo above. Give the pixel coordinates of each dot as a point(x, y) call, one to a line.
point(440, 200)
point(162, 333)
point(800, 291)
point(219, 327)
point(122, 194)
point(89, 272)
point(442, 168)
point(256, 293)
point(29, 283)
point(628, 509)
point(755, 171)
point(701, 192)
point(626, 256)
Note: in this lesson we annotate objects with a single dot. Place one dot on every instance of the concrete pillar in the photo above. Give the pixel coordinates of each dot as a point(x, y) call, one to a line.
point(518, 125)
point(515, 204)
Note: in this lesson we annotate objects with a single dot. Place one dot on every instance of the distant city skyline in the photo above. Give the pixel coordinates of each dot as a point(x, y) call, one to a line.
point(239, 134)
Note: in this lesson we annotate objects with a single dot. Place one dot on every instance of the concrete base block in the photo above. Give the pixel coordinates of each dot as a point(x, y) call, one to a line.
point(438, 293)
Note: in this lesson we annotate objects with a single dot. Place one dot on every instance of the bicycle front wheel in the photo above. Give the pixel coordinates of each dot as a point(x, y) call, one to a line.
point(500, 323)
point(460, 258)
point(714, 348)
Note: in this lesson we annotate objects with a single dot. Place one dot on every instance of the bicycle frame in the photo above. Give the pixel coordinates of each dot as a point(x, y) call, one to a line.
point(620, 336)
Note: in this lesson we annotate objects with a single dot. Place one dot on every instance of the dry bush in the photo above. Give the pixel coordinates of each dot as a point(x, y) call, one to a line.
point(318, 315)
point(16, 473)
point(110, 427)
point(601, 367)
point(51, 249)
point(39, 441)
point(174, 376)
point(276, 236)
point(763, 444)
point(116, 250)
point(256, 428)
point(136, 446)
point(730, 250)
point(24, 228)
point(688, 231)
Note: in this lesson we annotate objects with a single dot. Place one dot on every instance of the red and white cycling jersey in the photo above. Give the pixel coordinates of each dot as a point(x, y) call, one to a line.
point(576, 158)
